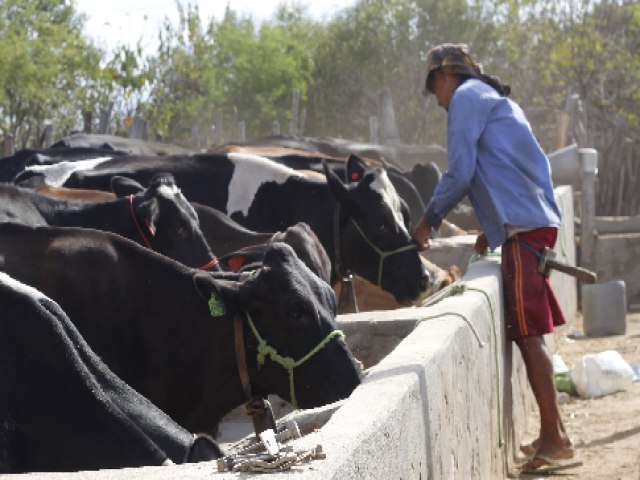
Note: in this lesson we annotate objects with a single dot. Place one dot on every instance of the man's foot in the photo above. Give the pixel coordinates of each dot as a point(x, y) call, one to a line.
point(530, 449)
point(541, 465)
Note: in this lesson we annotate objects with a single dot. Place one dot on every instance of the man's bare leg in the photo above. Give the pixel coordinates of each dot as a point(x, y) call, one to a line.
point(553, 441)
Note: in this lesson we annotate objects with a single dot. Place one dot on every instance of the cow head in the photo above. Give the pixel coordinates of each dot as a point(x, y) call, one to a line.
point(167, 222)
point(373, 231)
point(308, 247)
point(293, 312)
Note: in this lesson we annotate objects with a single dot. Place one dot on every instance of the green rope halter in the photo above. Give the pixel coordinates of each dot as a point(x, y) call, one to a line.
point(287, 363)
point(382, 254)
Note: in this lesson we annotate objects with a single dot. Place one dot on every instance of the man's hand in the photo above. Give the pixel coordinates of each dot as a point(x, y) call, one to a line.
point(421, 234)
point(482, 245)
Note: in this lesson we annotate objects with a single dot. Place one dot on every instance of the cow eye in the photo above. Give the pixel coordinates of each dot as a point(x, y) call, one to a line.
point(181, 232)
point(298, 315)
point(382, 227)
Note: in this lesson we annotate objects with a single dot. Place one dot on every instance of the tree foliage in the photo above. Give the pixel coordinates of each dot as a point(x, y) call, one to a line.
point(213, 75)
point(43, 60)
point(208, 74)
point(381, 44)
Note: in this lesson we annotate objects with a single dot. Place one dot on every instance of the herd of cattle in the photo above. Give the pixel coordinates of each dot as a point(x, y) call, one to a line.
point(124, 266)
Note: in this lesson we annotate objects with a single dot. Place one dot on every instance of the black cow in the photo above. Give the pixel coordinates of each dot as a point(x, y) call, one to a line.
point(62, 409)
point(119, 145)
point(365, 215)
point(225, 235)
point(300, 237)
point(237, 246)
point(148, 318)
point(426, 177)
point(158, 217)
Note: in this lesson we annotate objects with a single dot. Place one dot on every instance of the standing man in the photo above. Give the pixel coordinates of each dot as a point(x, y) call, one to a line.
point(494, 159)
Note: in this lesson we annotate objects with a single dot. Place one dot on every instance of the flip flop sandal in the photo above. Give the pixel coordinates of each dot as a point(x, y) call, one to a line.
point(550, 465)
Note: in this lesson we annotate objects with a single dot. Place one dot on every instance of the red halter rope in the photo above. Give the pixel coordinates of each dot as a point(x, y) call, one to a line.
point(210, 264)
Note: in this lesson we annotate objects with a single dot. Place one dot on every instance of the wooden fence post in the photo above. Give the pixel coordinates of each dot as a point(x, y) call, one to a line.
point(220, 125)
point(104, 119)
point(7, 145)
point(138, 128)
point(275, 127)
point(295, 102)
point(47, 136)
point(389, 134)
point(194, 136)
point(373, 130)
point(588, 169)
point(303, 120)
point(242, 132)
point(87, 118)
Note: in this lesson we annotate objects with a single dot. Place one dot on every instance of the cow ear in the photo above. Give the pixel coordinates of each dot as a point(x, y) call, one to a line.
point(123, 186)
point(148, 212)
point(337, 187)
point(221, 295)
point(356, 168)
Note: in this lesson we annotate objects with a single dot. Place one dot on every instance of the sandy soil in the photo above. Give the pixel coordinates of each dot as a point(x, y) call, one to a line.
point(604, 430)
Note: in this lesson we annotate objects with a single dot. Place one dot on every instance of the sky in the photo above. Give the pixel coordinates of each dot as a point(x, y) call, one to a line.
point(112, 22)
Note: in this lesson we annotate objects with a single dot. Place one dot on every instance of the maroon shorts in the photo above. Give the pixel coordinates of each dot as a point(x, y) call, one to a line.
point(532, 308)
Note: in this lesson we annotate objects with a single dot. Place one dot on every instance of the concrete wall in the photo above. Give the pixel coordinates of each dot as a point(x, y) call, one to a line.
point(435, 406)
point(616, 258)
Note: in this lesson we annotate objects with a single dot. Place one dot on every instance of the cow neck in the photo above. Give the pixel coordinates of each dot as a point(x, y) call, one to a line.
point(382, 255)
point(210, 264)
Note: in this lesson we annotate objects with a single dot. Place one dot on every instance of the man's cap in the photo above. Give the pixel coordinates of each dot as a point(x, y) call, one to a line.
point(450, 58)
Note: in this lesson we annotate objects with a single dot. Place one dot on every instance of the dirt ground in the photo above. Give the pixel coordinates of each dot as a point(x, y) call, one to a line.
point(605, 430)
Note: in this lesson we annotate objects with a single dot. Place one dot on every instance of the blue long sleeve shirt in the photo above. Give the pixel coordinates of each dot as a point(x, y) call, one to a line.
point(497, 162)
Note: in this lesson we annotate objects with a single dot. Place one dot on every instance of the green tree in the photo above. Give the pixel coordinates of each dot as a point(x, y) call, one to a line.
point(44, 60)
point(269, 65)
point(184, 89)
point(382, 43)
point(228, 71)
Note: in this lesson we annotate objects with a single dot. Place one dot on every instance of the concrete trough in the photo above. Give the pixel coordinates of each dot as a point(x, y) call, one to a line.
point(445, 395)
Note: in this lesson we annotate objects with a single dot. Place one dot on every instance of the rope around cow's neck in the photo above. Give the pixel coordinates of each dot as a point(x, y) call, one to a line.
point(382, 254)
point(287, 363)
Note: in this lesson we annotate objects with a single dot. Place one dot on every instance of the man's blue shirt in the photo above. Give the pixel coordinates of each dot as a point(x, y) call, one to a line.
point(495, 159)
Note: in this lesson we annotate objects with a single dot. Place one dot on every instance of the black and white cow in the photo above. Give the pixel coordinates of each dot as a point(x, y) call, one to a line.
point(62, 409)
point(159, 217)
point(363, 224)
point(15, 164)
point(415, 186)
point(152, 320)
